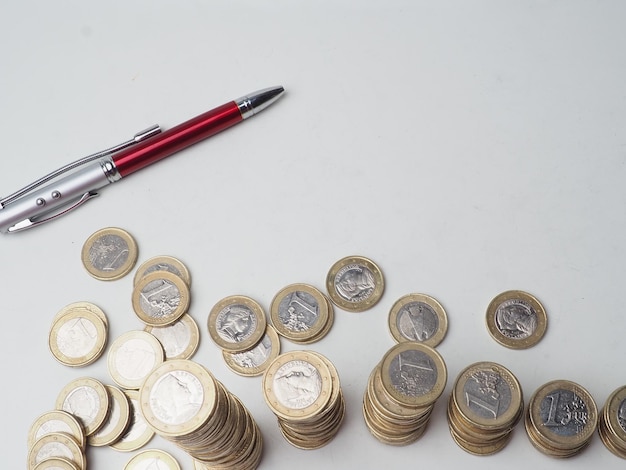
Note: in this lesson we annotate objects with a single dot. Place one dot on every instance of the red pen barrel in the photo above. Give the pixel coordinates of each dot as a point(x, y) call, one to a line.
point(177, 138)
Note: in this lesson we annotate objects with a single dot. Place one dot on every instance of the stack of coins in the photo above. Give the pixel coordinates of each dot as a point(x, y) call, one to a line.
point(485, 405)
point(302, 313)
point(57, 440)
point(561, 418)
point(402, 391)
point(302, 389)
point(612, 423)
point(182, 402)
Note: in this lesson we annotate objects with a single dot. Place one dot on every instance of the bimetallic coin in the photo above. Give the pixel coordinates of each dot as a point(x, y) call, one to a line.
point(138, 433)
point(59, 422)
point(55, 463)
point(237, 323)
point(163, 263)
point(418, 317)
point(355, 283)
point(109, 254)
point(132, 357)
point(88, 400)
point(77, 338)
point(612, 422)
point(152, 459)
point(117, 422)
point(516, 319)
point(180, 339)
point(79, 307)
point(56, 446)
point(160, 298)
point(254, 361)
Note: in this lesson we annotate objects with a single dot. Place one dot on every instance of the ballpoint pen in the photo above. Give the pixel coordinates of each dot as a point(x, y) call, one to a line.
point(33, 205)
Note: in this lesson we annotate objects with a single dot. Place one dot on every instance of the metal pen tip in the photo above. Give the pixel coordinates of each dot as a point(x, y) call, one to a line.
point(256, 102)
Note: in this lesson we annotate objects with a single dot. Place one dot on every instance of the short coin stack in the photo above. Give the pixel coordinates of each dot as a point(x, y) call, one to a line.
point(485, 405)
point(612, 423)
point(402, 391)
point(57, 440)
point(302, 389)
point(561, 418)
point(183, 403)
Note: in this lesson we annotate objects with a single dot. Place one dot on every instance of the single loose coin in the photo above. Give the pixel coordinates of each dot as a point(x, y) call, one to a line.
point(163, 263)
point(152, 459)
point(254, 361)
point(237, 323)
point(132, 356)
point(180, 339)
point(117, 422)
point(355, 283)
point(418, 317)
point(109, 254)
point(160, 298)
point(78, 338)
point(138, 433)
point(56, 421)
point(88, 400)
point(516, 319)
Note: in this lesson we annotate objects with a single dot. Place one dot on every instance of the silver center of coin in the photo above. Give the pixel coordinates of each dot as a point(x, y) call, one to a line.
point(413, 373)
point(621, 415)
point(354, 283)
point(154, 463)
point(235, 323)
point(174, 338)
point(162, 267)
point(54, 449)
point(516, 319)
point(53, 426)
point(138, 426)
point(297, 384)
point(256, 356)
point(135, 359)
point(159, 298)
point(487, 394)
point(84, 403)
point(77, 338)
point(108, 253)
point(176, 397)
point(298, 311)
point(564, 412)
point(417, 321)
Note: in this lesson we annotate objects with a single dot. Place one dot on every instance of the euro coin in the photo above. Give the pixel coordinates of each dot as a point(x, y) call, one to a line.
point(117, 422)
point(88, 400)
point(109, 254)
point(180, 339)
point(516, 319)
point(163, 263)
point(77, 338)
point(254, 361)
point(152, 458)
point(132, 356)
point(160, 298)
point(57, 421)
point(55, 463)
point(355, 283)
point(138, 433)
point(237, 323)
point(418, 317)
point(612, 422)
point(58, 446)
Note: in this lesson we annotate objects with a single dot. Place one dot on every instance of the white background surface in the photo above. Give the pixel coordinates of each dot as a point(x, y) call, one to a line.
point(467, 147)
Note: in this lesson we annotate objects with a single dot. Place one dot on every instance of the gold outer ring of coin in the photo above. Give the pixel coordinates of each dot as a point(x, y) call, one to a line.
point(138, 461)
point(90, 356)
point(103, 402)
point(313, 409)
point(111, 432)
point(74, 428)
point(476, 421)
point(113, 273)
point(611, 413)
point(80, 306)
point(194, 336)
point(317, 327)
point(78, 455)
point(543, 432)
point(513, 343)
point(232, 363)
point(119, 345)
point(56, 463)
point(253, 307)
point(358, 305)
point(163, 263)
point(206, 408)
point(442, 318)
point(130, 442)
point(167, 278)
point(426, 398)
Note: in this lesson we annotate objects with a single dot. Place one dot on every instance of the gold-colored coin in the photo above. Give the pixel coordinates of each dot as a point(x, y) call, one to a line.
point(160, 298)
point(57, 421)
point(55, 463)
point(109, 254)
point(612, 422)
point(138, 433)
point(117, 422)
point(163, 263)
point(88, 400)
point(254, 361)
point(355, 283)
point(300, 313)
point(77, 338)
point(237, 323)
point(180, 339)
point(56, 445)
point(516, 319)
point(132, 357)
point(418, 317)
point(152, 458)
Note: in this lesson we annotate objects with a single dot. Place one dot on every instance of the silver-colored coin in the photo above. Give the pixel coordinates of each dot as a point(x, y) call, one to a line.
point(297, 384)
point(355, 283)
point(237, 323)
point(88, 400)
point(418, 317)
point(109, 254)
point(160, 298)
point(516, 319)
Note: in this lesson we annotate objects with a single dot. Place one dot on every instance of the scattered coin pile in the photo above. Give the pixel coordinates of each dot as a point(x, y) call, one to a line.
point(185, 404)
point(561, 418)
point(485, 405)
point(302, 388)
point(418, 317)
point(402, 391)
point(612, 423)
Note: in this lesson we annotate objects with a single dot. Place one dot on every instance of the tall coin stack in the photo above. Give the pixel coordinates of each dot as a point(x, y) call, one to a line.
point(302, 389)
point(485, 405)
point(561, 418)
point(185, 404)
point(402, 391)
point(612, 423)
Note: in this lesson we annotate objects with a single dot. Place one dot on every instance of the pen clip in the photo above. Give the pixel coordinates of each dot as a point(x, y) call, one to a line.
point(29, 223)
